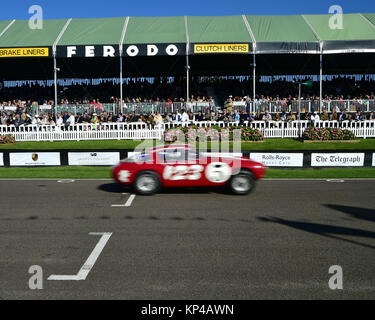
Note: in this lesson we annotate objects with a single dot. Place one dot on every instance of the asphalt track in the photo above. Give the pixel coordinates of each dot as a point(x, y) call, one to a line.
point(276, 243)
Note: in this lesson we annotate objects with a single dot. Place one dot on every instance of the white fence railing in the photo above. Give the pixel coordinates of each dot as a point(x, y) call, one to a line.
point(143, 131)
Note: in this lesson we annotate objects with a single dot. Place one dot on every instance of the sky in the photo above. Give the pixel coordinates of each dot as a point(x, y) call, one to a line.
point(56, 9)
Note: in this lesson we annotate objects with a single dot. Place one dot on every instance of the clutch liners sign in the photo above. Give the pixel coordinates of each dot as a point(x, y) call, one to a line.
point(23, 52)
point(222, 48)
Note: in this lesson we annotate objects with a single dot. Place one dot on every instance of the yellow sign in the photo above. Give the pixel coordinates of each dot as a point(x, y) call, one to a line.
point(23, 52)
point(222, 48)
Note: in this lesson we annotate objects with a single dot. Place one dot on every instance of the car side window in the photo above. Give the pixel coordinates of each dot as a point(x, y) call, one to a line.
point(172, 155)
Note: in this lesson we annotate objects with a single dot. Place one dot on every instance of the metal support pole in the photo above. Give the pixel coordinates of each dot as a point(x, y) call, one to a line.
point(121, 93)
point(299, 97)
point(254, 80)
point(187, 79)
point(55, 81)
point(321, 83)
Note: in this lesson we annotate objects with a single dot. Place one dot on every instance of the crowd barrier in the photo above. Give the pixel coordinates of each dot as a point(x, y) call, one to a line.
point(272, 159)
point(170, 107)
point(144, 131)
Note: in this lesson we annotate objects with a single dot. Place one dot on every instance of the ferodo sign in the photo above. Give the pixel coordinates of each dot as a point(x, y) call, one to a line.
point(24, 52)
point(337, 159)
point(134, 50)
point(222, 48)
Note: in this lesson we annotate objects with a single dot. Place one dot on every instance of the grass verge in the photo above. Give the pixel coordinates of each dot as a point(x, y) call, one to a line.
point(104, 172)
point(268, 144)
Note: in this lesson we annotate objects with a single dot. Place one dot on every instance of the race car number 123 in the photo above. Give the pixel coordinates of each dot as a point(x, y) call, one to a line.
point(175, 173)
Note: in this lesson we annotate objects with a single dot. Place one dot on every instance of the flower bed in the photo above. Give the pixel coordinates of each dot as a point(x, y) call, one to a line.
point(327, 134)
point(195, 133)
point(7, 139)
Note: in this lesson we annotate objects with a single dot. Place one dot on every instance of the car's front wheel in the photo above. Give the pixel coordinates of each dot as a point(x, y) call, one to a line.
point(147, 183)
point(242, 183)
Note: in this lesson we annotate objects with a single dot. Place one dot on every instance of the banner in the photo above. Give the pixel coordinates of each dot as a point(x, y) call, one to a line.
point(93, 158)
point(278, 159)
point(111, 51)
point(1, 159)
point(222, 48)
point(373, 159)
point(23, 52)
point(337, 159)
point(35, 159)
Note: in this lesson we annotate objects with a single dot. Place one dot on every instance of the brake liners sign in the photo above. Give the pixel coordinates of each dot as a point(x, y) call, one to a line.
point(23, 52)
point(222, 48)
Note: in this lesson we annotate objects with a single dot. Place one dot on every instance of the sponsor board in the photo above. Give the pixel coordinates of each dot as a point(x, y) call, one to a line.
point(373, 159)
point(35, 159)
point(1, 159)
point(23, 52)
point(133, 50)
point(221, 48)
point(93, 158)
point(278, 159)
point(337, 159)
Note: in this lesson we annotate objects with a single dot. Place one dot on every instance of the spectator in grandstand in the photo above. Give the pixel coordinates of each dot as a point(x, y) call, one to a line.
point(291, 117)
point(18, 121)
point(184, 116)
point(94, 119)
point(133, 117)
point(244, 116)
point(158, 119)
point(236, 116)
point(4, 119)
point(324, 116)
point(71, 120)
point(267, 117)
point(277, 117)
point(36, 120)
point(120, 118)
point(86, 118)
point(59, 120)
point(65, 116)
point(258, 116)
point(45, 120)
point(79, 118)
point(199, 116)
point(333, 116)
point(372, 116)
point(342, 116)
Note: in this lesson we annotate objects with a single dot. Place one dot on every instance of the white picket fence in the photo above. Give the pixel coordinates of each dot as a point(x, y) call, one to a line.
point(143, 131)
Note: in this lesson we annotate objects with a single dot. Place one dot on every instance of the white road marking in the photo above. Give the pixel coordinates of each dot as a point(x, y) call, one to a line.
point(66, 181)
point(128, 202)
point(335, 180)
point(89, 264)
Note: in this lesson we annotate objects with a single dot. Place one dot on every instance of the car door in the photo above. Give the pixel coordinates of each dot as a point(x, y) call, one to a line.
point(180, 168)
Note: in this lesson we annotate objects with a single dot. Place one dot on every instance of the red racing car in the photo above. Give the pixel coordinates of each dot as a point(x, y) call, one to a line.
point(180, 166)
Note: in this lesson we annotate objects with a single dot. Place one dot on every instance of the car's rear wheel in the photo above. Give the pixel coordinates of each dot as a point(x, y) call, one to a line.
point(147, 183)
point(242, 183)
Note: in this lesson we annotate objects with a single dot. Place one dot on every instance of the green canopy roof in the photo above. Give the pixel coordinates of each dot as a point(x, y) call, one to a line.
point(229, 29)
point(282, 34)
point(268, 34)
point(20, 34)
point(155, 30)
point(93, 31)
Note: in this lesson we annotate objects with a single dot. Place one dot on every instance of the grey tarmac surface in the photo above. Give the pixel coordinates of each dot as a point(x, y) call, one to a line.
point(276, 243)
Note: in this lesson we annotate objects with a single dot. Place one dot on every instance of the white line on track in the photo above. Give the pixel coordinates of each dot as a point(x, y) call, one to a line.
point(89, 264)
point(128, 202)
